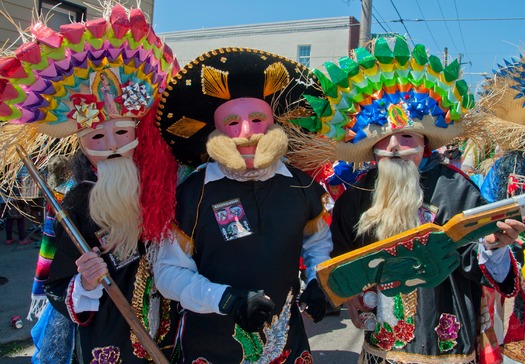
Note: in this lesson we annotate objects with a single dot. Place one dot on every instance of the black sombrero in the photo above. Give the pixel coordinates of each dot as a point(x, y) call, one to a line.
point(187, 106)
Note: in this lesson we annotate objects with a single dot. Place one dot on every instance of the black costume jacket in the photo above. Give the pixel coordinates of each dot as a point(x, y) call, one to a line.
point(455, 300)
point(104, 336)
point(261, 253)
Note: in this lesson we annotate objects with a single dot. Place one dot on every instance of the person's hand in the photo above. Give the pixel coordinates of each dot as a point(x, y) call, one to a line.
point(355, 307)
point(249, 309)
point(92, 269)
point(313, 301)
point(509, 231)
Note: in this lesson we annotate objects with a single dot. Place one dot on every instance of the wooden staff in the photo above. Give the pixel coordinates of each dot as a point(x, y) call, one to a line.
point(109, 285)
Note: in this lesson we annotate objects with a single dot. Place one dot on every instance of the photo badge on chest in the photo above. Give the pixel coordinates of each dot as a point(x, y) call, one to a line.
point(232, 220)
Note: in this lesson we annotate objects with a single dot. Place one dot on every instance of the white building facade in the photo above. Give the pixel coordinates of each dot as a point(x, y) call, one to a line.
point(310, 42)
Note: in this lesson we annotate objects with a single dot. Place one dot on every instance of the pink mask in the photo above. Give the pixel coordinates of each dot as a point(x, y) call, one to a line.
point(242, 118)
point(110, 138)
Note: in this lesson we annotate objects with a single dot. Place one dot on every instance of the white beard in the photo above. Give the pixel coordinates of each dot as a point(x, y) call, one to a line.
point(396, 200)
point(114, 204)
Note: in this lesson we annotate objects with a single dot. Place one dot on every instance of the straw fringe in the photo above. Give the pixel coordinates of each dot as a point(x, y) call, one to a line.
point(39, 146)
point(499, 116)
point(308, 152)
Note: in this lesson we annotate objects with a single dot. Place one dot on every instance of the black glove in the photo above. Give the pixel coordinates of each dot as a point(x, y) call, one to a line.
point(315, 300)
point(249, 309)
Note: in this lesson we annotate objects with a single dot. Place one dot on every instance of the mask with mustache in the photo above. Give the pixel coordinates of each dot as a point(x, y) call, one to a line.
point(270, 146)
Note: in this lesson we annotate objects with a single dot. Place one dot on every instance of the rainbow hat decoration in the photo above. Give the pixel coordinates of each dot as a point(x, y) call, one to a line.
point(57, 84)
point(385, 91)
point(66, 81)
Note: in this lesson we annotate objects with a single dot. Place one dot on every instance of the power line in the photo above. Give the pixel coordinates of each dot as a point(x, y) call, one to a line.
point(378, 22)
point(373, 14)
point(401, 20)
point(446, 26)
point(431, 35)
point(464, 45)
point(461, 33)
point(453, 19)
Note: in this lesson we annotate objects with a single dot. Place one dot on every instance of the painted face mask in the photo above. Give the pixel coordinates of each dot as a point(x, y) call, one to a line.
point(112, 138)
point(244, 120)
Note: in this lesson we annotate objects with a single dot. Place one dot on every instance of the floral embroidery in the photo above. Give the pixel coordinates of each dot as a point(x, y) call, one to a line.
point(106, 355)
point(139, 350)
point(305, 358)
point(200, 361)
point(447, 331)
point(387, 337)
point(404, 331)
point(384, 338)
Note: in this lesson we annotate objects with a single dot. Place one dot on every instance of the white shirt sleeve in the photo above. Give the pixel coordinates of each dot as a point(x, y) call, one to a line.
point(496, 261)
point(177, 278)
point(85, 301)
point(316, 249)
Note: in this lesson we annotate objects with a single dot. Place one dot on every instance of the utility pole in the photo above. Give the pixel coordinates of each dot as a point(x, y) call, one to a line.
point(445, 57)
point(366, 21)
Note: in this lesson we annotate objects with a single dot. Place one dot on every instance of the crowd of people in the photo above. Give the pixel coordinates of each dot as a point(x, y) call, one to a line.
point(200, 191)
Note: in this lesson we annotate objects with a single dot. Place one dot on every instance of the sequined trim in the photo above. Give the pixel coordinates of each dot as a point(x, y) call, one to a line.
point(106, 355)
point(447, 331)
point(370, 355)
point(273, 348)
point(200, 361)
point(305, 358)
point(397, 336)
point(69, 305)
point(140, 304)
point(515, 269)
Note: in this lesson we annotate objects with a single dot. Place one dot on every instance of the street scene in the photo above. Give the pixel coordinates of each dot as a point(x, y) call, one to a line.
point(272, 182)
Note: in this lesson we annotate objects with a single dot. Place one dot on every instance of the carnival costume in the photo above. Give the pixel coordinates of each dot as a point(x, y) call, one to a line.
point(502, 111)
point(242, 229)
point(371, 97)
point(68, 82)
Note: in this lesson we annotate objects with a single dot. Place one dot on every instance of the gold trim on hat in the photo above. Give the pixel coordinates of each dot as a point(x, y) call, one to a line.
point(276, 77)
point(215, 83)
point(185, 127)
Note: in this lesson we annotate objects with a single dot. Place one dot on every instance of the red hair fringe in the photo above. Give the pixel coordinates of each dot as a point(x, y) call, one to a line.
point(158, 178)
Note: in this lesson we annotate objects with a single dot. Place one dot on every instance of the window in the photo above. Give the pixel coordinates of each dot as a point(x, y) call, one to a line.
point(303, 55)
point(61, 12)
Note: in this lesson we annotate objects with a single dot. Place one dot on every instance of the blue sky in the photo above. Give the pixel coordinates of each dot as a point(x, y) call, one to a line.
point(482, 43)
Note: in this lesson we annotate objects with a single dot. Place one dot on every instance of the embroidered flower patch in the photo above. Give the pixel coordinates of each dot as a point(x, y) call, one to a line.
point(106, 355)
point(447, 331)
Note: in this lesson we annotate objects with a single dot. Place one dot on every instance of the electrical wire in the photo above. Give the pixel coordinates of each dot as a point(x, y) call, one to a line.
point(402, 22)
point(453, 19)
point(431, 35)
point(446, 26)
point(377, 12)
point(461, 31)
